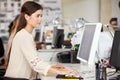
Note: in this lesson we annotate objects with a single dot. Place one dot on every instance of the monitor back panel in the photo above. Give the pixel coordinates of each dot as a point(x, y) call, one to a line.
point(89, 42)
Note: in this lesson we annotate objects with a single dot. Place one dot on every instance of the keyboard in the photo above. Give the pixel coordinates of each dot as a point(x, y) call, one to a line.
point(88, 75)
point(69, 77)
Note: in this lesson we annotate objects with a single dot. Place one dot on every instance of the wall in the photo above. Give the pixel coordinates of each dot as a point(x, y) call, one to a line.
point(88, 9)
point(109, 9)
point(105, 11)
point(91, 10)
point(115, 8)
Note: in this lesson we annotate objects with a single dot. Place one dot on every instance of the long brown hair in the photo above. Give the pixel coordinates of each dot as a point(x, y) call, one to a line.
point(28, 8)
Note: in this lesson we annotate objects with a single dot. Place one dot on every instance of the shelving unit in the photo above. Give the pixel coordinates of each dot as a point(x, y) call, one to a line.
point(8, 11)
point(10, 8)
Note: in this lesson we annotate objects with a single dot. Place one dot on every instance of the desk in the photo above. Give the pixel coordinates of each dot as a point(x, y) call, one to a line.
point(52, 50)
point(49, 55)
point(85, 72)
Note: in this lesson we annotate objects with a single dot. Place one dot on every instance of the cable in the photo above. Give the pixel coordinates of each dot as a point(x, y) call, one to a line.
point(107, 27)
point(112, 72)
point(52, 55)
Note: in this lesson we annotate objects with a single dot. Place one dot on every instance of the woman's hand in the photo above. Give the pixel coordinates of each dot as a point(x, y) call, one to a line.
point(58, 67)
point(61, 70)
point(68, 71)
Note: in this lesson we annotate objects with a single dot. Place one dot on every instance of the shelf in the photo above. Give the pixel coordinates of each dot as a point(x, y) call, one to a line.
point(8, 11)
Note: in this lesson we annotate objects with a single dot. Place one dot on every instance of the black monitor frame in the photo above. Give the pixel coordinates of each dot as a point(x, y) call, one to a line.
point(58, 37)
point(115, 52)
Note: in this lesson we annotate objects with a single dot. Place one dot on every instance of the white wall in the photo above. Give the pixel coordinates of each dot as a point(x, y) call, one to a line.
point(91, 10)
point(88, 9)
point(105, 11)
point(109, 9)
point(115, 8)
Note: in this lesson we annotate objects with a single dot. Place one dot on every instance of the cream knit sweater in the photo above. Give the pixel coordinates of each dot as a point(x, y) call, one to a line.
point(24, 61)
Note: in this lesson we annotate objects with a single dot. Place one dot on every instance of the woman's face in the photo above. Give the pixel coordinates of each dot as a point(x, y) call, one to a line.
point(35, 19)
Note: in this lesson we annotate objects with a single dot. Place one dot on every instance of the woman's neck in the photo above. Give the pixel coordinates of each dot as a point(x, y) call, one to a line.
point(29, 29)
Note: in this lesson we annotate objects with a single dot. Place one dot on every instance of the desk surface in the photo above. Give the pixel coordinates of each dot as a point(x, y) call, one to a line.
point(53, 50)
point(87, 72)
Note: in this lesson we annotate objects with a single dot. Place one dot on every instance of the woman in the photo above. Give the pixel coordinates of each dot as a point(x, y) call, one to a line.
point(23, 60)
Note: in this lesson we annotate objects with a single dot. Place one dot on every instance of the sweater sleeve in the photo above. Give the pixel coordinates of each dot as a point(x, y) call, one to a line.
point(29, 51)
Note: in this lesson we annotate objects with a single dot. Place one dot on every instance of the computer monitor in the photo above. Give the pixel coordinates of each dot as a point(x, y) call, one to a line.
point(115, 52)
point(89, 44)
point(37, 35)
point(58, 37)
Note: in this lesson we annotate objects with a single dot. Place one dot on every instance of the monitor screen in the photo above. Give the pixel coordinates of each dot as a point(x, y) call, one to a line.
point(58, 37)
point(89, 43)
point(115, 52)
point(37, 35)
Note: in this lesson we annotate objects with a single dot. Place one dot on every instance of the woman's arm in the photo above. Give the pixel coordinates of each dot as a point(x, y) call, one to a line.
point(29, 52)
